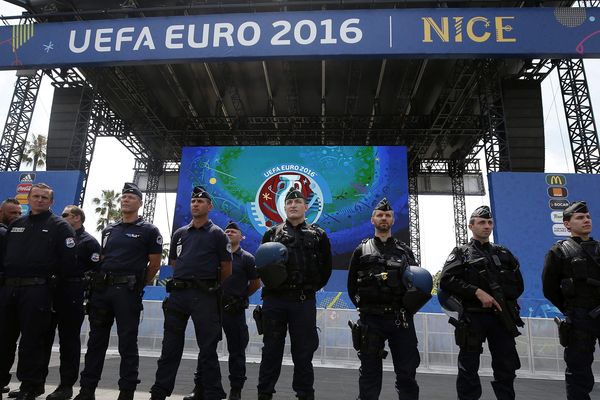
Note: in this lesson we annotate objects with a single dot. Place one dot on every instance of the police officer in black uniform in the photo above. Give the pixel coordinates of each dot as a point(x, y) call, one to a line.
point(130, 257)
point(40, 249)
point(10, 210)
point(292, 304)
point(68, 306)
point(242, 284)
point(375, 287)
point(571, 281)
point(201, 258)
point(486, 278)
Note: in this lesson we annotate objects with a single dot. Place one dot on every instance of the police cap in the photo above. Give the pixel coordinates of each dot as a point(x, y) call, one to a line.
point(482, 212)
point(132, 188)
point(294, 194)
point(199, 192)
point(575, 207)
point(233, 225)
point(383, 205)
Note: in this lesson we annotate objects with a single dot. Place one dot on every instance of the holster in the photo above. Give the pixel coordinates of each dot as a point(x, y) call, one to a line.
point(564, 331)
point(257, 314)
point(467, 339)
point(356, 330)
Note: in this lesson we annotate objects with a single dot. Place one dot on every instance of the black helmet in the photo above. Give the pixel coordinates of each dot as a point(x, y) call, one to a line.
point(451, 305)
point(418, 283)
point(270, 263)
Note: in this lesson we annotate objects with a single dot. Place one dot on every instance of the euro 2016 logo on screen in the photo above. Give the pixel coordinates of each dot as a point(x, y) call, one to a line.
point(268, 210)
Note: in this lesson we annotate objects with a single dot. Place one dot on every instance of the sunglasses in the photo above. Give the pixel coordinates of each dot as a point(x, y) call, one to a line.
point(65, 215)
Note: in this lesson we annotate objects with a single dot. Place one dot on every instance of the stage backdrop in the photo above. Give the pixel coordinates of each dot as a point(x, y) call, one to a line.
point(66, 185)
point(527, 211)
point(343, 184)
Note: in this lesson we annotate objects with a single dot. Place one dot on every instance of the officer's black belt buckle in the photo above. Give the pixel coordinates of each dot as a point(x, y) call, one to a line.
point(16, 282)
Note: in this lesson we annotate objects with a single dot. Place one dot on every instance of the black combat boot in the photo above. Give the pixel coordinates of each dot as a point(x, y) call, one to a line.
point(197, 394)
point(307, 397)
point(61, 393)
point(265, 396)
point(126, 394)
point(156, 396)
point(86, 394)
point(235, 394)
point(5, 389)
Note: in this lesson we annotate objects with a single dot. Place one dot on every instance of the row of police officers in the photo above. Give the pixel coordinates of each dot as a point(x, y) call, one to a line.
point(50, 264)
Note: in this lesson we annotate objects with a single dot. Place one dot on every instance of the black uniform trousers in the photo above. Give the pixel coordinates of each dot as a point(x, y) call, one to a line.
point(113, 303)
point(579, 354)
point(279, 315)
point(68, 316)
point(24, 309)
point(203, 308)
point(402, 343)
point(236, 333)
point(505, 360)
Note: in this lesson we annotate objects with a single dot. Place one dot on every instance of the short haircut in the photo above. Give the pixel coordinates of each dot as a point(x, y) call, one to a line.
point(42, 186)
point(73, 209)
point(374, 211)
point(10, 200)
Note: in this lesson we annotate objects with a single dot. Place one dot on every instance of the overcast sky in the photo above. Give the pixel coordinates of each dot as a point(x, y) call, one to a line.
point(112, 164)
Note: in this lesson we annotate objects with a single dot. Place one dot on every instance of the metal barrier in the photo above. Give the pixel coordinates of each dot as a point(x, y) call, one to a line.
point(540, 353)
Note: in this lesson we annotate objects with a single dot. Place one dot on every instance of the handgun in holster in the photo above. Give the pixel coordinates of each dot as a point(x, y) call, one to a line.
point(356, 330)
point(564, 331)
point(257, 314)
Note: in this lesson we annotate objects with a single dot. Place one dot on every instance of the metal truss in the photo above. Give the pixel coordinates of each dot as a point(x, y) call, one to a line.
point(446, 167)
point(580, 116)
point(155, 169)
point(18, 120)
point(458, 198)
point(413, 214)
point(492, 114)
point(536, 69)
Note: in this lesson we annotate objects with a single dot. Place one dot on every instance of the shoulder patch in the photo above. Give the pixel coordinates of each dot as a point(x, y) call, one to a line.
point(70, 242)
point(451, 257)
point(159, 240)
point(229, 248)
point(95, 257)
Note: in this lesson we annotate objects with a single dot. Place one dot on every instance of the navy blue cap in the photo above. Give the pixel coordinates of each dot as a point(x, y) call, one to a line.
point(383, 205)
point(233, 225)
point(575, 207)
point(482, 212)
point(200, 192)
point(294, 194)
point(132, 188)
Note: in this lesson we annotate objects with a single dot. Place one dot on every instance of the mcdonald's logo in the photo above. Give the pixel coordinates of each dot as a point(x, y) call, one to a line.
point(557, 191)
point(556, 180)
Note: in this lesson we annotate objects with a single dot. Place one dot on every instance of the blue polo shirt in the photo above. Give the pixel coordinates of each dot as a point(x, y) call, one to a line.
point(126, 246)
point(244, 270)
point(199, 252)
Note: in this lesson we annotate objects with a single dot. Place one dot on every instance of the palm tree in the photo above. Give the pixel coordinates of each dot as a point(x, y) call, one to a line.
point(108, 208)
point(436, 282)
point(35, 151)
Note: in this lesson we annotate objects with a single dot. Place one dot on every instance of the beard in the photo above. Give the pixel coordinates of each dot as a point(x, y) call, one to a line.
point(383, 228)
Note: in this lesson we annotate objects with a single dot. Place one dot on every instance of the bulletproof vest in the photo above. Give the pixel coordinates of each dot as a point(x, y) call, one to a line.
point(582, 266)
point(380, 275)
point(501, 265)
point(304, 256)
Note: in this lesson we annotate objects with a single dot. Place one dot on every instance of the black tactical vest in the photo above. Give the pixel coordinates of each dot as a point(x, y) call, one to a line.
point(582, 266)
point(379, 281)
point(304, 255)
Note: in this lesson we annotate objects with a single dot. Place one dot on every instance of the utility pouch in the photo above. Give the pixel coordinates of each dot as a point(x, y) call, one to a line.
point(257, 314)
point(564, 331)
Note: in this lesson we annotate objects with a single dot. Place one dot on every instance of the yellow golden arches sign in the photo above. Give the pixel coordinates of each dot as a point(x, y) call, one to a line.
point(21, 34)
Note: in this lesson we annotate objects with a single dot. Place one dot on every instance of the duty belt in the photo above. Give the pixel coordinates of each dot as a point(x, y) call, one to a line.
point(207, 285)
point(290, 294)
point(16, 282)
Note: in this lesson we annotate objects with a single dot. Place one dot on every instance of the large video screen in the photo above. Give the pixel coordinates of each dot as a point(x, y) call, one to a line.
point(342, 184)
point(527, 211)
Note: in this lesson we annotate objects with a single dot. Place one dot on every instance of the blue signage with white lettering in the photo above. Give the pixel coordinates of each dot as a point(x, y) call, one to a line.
point(422, 33)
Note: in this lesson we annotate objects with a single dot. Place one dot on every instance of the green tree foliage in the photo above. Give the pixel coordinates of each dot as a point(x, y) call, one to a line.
point(107, 208)
point(35, 151)
point(436, 282)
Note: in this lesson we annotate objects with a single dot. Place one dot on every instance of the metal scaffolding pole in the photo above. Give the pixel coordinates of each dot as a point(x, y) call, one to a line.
point(458, 199)
point(155, 169)
point(18, 120)
point(583, 135)
point(413, 213)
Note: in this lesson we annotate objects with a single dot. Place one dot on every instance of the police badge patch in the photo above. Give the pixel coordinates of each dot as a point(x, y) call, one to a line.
point(451, 257)
point(229, 248)
point(178, 250)
point(70, 242)
point(95, 257)
point(159, 240)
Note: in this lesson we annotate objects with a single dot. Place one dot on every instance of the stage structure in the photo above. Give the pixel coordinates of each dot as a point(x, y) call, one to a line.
point(466, 78)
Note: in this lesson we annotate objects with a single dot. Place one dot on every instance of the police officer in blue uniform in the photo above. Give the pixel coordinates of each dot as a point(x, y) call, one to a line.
point(485, 278)
point(292, 304)
point(130, 258)
point(242, 284)
point(571, 281)
point(201, 258)
point(10, 210)
point(376, 289)
point(68, 306)
point(40, 248)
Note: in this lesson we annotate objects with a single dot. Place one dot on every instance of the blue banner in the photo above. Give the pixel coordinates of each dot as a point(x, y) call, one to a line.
point(527, 210)
point(414, 33)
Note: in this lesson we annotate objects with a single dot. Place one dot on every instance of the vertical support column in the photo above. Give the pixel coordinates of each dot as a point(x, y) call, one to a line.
point(583, 135)
point(155, 171)
point(18, 120)
point(413, 212)
point(456, 169)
